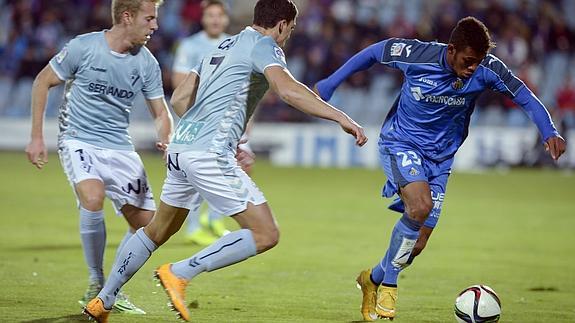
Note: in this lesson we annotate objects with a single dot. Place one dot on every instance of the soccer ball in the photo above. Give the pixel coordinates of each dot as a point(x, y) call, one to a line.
point(477, 304)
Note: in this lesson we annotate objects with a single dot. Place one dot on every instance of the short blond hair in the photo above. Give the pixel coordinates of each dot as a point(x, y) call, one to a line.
point(131, 6)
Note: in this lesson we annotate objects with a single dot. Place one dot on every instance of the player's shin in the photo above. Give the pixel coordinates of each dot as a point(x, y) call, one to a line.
point(93, 235)
point(131, 258)
point(230, 249)
point(403, 239)
point(378, 272)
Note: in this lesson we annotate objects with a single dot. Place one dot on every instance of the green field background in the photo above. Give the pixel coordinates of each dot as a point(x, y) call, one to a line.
point(510, 230)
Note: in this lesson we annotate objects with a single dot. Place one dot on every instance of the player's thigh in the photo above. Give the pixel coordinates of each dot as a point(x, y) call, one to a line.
point(416, 196)
point(407, 176)
point(90, 193)
point(126, 181)
point(82, 171)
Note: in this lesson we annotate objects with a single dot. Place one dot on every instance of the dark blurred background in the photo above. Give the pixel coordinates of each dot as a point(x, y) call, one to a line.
point(535, 38)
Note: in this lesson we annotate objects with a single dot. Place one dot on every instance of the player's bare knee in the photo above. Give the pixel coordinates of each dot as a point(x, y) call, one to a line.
point(420, 210)
point(93, 203)
point(266, 240)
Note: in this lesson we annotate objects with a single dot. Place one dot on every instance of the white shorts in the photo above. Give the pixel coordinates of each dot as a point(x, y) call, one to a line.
point(121, 171)
point(218, 179)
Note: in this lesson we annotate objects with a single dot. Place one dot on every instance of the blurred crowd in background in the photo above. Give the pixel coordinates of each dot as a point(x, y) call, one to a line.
point(536, 39)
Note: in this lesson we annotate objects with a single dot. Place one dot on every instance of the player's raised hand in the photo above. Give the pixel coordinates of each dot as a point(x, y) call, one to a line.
point(555, 146)
point(351, 127)
point(37, 153)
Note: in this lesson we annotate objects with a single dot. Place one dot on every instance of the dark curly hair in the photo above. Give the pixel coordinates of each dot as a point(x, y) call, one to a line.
point(470, 32)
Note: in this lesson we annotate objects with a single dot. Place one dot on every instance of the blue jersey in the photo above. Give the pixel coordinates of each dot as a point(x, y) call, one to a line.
point(434, 107)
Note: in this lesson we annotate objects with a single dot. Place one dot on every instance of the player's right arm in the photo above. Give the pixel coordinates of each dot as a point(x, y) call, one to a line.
point(181, 65)
point(302, 98)
point(184, 95)
point(359, 62)
point(36, 149)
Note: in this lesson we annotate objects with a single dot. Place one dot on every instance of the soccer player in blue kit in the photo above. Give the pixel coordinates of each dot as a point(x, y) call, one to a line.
point(422, 132)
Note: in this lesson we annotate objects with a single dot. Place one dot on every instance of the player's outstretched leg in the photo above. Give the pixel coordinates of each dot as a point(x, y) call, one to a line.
point(95, 310)
point(131, 258)
point(369, 291)
point(123, 303)
point(228, 250)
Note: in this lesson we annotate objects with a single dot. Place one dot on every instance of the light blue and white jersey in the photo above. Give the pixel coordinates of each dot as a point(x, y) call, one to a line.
point(231, 85)
point(100, 89)
point(192, 49)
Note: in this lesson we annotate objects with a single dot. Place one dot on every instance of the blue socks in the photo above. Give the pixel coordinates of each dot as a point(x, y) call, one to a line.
point(397, 257)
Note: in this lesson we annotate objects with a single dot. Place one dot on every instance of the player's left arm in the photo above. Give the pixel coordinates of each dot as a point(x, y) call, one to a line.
point(184, 95)
point(501, 79)
point(162, 120)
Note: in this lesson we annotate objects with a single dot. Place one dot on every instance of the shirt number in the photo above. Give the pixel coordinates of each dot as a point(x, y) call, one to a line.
point(409, 157)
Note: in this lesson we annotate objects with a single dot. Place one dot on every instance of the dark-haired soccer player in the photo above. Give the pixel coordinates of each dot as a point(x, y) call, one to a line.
point(214, 103)
point(422, 132)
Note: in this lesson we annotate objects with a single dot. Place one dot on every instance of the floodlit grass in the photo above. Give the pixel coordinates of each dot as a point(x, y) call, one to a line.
point(511, 231)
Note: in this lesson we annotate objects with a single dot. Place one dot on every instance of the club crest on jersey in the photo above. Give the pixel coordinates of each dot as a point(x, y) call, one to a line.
point(397, 49)
point(280, 54)
point(457, 84)
point(61, 55)
point(413, 172)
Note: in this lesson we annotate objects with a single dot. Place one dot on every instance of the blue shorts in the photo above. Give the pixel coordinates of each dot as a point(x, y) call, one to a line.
point(404, 164)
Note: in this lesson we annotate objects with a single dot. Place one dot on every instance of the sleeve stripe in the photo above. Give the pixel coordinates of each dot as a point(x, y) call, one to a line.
point(181, 69)
point(504, 83)
point(272, 64)
point(155, 97)
point(57, 72)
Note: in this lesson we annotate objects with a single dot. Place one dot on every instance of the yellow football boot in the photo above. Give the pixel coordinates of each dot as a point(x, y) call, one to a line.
point(386, 299)
point(369, 291)
point(95, 311)
point(175, 289)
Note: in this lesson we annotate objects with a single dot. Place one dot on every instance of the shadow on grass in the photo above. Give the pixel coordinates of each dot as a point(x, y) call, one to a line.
point(66, 318)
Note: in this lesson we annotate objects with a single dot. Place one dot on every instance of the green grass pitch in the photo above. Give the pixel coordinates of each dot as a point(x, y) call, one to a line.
point(512, 231)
